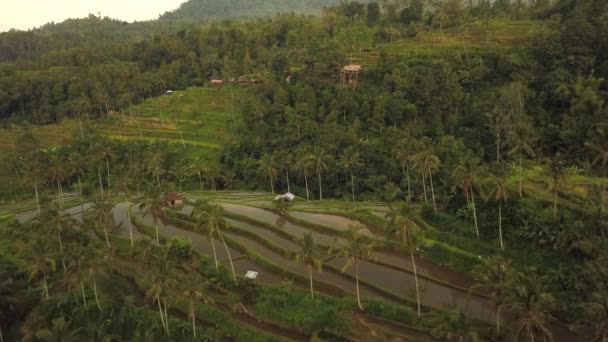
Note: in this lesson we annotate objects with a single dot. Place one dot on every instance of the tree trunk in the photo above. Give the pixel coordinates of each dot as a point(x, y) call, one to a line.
point(229, 257)
point(288, 185)
point(81, 197)
point(432, 191)
point(271, 185)
point(130, 226)
point(158, 180)
point(200, 180)
point(108, 170)
point(409, 188)
point(307, 192)
point(84, 297)
point(416, 281)
point(81, 131)
point(160, 311)
point(497, 148)
point(100, 181)
point(521, 175)
point(166, 318)
point(357, 285)
point(424, 187)
point(193, 318)
point(352, 185)
point(156, 229)
point(217, 268)
point(500, 224)
point(105, 232)
point(312, 292)
point(37, 198)
point(555, 201)
point(320, 187)
point(45, 286)
point(95, 292)
point(498, 322)
point(61, 249)
point(474, 213)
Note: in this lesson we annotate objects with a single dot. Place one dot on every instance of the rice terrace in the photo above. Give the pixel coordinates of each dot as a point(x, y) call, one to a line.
point(305, 170)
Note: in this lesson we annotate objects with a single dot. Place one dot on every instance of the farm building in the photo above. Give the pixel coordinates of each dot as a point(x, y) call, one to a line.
point(173, 199)
point(349, 75)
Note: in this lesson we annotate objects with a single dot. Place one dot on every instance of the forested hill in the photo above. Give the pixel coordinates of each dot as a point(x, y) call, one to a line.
point(245, 8)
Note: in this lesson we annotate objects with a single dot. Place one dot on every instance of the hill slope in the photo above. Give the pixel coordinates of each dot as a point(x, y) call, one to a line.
point(244, 8)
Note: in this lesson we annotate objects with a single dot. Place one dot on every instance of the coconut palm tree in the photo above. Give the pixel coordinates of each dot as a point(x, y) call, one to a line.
point(350, 160)
point(493, 276)
point(101, 210)
point(427, 162)
point(57, 221)
point(211, 216)
point(267, 167)
point(465, 178)
point(595, 309)
point(162, 283)
point(402, 152)
point(358, 247)
point(96, 266)
point(288, 162)
point(153, 204)
point(499, 193)
point(521, 139)
point(193, 291)
point(308, 255)
point(57, 172)
point(105, 152)
point(527, 299)
point(76, 270)
point(202, 222)
point(156, 162)
point(77, 166)
point(34, 171)
point(42, 265)
point(319, 159)
point(181, 173)
point(557, 170)
point(599, 145)
point(400, 224)
point(303, 167)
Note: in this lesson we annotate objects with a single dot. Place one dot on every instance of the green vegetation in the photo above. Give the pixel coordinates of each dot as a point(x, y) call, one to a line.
point(465, 157)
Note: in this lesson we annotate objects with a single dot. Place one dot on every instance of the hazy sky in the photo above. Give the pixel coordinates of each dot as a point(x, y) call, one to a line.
point(26, 14)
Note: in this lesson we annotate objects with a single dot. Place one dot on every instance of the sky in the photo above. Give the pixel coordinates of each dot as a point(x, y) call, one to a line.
point(26, 14)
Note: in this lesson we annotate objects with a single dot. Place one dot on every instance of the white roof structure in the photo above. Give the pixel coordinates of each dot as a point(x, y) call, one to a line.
point(288, 196)
point(169, 92)
point(251, 275)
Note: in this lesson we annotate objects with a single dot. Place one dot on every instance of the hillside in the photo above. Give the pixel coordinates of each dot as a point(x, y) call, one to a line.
point(244, 8)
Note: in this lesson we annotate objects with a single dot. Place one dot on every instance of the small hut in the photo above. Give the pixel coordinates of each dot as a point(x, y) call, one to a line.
point(169, 92)
point(216, 81)
point(243, 80)
point(174, 199)
point(286, 197)
point(349, 75)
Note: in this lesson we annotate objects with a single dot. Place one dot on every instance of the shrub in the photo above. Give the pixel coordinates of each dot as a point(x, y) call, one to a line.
point(179, 248)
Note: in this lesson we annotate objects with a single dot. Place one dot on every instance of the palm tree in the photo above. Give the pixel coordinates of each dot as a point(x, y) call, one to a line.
point(308, 256)
point(77, 166)
point(596, 308)
point(559, 173)
point(181, 173)
point(493, 276)
point(202, 222)
point(358, 247)
point(154, 205)
point(76, 270)
point(303, 167)
point(319, 160)
point(402, 152)
point(97, 266)
point(56, 221)
point(400, 223)
point(105, 151)
point(155, 164)
point(526, 297)
point(522, 140)
point(351, 160)
point(34, 172)
point(465, 178)
point(42, 266)
point(162, 284)
point(267, 167)
point(211, 216)
point(102, 215)
point(57, 173)
point(287, 161)
point(599, 144)
point(427, 162)
point(499, 193)
point(193, 291)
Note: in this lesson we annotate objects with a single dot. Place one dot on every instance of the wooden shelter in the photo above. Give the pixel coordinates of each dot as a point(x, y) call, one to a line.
point(173, 199)
point(216, 81)
point(349, 75)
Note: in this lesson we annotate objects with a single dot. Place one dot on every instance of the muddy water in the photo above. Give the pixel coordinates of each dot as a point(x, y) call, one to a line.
point(331, 221)
point(202, 244)
point(273, 219)
point(266, 234)
point(120, 214)
point(431, 294)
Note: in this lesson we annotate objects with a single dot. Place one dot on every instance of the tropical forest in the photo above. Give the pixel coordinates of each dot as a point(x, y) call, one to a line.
point(308, 170)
